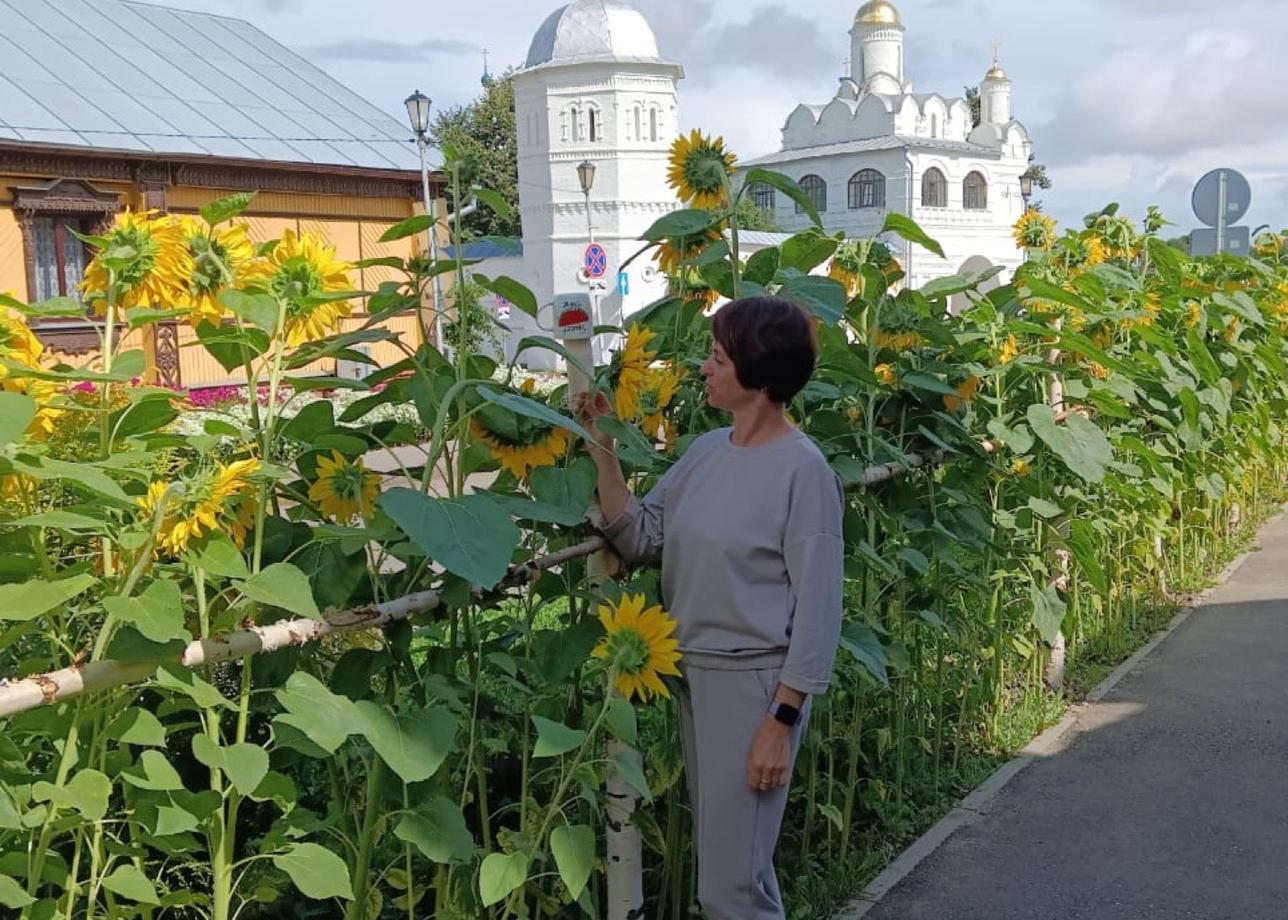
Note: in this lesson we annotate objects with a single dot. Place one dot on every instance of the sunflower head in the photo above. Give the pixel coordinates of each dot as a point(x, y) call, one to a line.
point(1034, 230)
point(630, 370)
point(220, 259)
point(659, 388)
point(1009, 351)
point(1020, 466)
point(344, 489)
point(637, 646)
point(147, 257)
point(965, 392)
point(302, 270)
point(17, 342)
point(885, 374)
point(519, 443)
point(699, 169)
point(214, 499)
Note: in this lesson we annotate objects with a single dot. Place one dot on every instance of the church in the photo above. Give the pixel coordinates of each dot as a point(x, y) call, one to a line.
point(877, 146)
point(597, 109)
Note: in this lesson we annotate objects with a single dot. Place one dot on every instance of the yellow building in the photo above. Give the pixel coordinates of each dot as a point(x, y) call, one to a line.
point(126, 105)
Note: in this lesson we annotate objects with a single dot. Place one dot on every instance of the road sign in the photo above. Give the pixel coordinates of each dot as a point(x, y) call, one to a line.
point(1221, 190)
point(595, 261)
point(623, 283)
point(1203, 241)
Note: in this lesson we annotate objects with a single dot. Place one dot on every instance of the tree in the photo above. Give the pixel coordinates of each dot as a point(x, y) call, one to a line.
point(752, 217)
point(483, 132)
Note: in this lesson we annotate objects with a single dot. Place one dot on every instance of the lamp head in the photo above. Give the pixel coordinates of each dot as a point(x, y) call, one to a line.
point(1026, 185)
point(586, 176)
point(418, 112)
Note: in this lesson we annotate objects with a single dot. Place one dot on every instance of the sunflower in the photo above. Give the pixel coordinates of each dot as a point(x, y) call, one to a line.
point(344, 489)
point(901, 340)
point(214, 500)
point(1009, 351)
point(1268, 245)
point(220, 259)
point(1097, 252)
point(850, 279)
point(1193, 314)
point(17, 343)
point(670, 253)
point(157, 268)
point(1020, 466)
point(300, 269)
point(656, 394)
point(699, 167)
point(638, 646)
point(1231, 331)
point(1034, 230)
point(885, 374)
point(1099, 371)
point(632, 365)
point(966, 391)
point(548, 445)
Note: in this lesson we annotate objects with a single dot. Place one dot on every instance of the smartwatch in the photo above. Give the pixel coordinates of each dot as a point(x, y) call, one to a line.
point(786, 713)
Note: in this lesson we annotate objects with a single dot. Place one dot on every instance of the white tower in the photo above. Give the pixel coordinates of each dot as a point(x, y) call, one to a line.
point(876, 48)
point(593, 89)
point(995, 95)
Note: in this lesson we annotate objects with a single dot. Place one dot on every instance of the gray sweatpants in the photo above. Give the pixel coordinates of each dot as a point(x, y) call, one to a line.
point(735, 827)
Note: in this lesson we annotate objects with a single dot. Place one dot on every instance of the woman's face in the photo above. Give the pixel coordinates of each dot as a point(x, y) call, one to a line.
point(723, 389)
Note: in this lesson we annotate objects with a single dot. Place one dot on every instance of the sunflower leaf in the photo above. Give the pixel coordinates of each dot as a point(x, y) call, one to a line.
point(555, 738)
point(471, 536)
point(226, 208)
point(522, 405)
point(260, 310)
point(513, 291)
point(687, 222)
point(911, 231)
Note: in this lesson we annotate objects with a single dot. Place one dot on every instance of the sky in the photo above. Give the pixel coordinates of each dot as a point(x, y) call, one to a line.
point(1125, 100)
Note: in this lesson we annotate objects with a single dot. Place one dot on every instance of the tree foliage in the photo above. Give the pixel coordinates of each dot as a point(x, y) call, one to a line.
point(483, 132)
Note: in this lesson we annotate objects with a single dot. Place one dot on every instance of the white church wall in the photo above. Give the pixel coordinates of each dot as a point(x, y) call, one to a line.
point(873, 118)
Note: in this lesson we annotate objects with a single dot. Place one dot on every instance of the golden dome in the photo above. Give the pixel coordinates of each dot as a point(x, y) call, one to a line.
point(877, 13)
point(995, 72)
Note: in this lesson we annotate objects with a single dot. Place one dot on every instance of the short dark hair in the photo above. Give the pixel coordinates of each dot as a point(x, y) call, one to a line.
point(771, 342)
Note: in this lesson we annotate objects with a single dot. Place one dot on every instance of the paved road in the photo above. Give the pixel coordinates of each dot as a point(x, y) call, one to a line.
point(1169, 802)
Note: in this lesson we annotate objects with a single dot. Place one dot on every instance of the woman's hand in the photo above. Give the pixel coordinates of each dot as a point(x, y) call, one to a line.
point(769, 760)
point(586, 408)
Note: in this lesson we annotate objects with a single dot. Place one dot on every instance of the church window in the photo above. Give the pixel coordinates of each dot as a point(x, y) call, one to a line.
point(652, 124)
point(639, 124)
point(867, 189)
point(975, 192)
point(934, 189)
point(596, 132)
point(762, 196)
point(816, 190)
point(934, 125)
point(575, 117)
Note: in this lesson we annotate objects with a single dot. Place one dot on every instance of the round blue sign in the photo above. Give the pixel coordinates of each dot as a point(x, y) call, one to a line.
point(595, 261)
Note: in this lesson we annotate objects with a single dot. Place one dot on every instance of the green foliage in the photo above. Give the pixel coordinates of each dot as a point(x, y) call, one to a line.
point(483, 132)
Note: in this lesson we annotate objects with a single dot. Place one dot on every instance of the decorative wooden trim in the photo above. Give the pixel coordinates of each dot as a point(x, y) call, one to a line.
point(166, 345)
point(71, 337)
point(308, 183)
point(60, 197)
point(152, 179)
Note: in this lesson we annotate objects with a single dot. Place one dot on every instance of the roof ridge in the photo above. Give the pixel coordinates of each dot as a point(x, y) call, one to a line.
point(180, 9)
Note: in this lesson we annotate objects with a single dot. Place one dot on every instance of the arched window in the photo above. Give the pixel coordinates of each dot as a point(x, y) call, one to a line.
point(934, 189)
point(574, 116)
point(867, 189)
point(975, 192)
point(652, 124)
point(934, 125)
point(816, 190)
point(639, 124)
point(596, 133)
point(762, 196)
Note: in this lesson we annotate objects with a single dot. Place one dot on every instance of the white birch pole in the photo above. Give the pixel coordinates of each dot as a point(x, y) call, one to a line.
point(1053, 674)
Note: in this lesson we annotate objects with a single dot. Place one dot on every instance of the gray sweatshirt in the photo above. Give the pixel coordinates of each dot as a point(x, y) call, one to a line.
point(751, 550)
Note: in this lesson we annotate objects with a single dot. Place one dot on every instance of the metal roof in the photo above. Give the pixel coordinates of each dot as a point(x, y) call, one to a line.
point(121, 75)
point(887, 142)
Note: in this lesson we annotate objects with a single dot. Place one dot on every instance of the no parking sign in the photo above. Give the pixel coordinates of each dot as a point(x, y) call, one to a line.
point(595, 261)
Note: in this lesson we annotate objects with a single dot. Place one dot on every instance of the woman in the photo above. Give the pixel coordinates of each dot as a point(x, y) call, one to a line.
point(748, 528)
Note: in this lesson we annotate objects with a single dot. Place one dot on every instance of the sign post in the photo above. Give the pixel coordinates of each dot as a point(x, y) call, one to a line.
point(1220, 200)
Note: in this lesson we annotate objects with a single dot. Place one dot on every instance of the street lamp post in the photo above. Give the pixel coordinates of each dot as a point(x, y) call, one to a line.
point(418, 105)
point(1026, 188)
point(586, 178)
